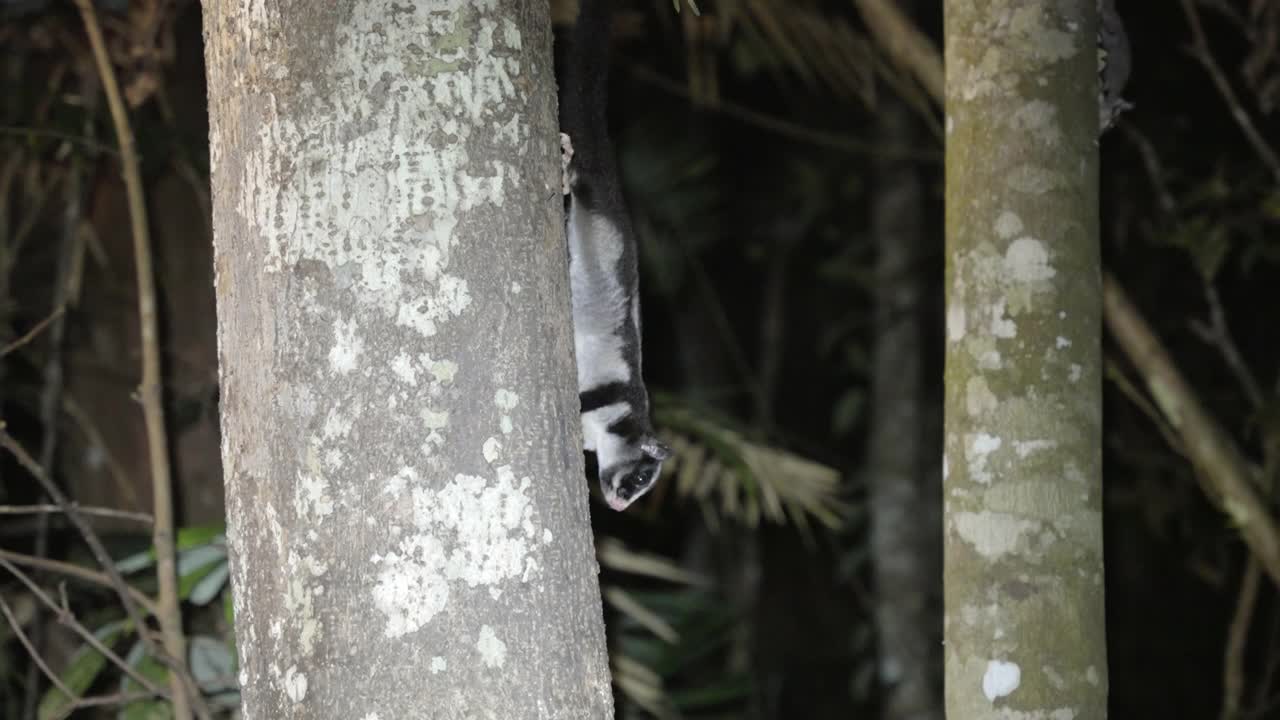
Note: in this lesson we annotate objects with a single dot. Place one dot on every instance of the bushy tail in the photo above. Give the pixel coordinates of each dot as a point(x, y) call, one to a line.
point(584, 96)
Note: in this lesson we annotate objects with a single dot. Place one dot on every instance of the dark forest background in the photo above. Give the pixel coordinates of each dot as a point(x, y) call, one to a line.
point(760, 142)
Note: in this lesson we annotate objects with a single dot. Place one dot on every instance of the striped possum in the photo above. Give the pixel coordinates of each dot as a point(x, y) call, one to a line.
point(604, 278)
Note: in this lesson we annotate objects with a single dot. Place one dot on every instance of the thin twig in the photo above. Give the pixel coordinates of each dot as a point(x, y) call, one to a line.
point(33, 332)
point(51, 392)
point(1128, 389)
point(90, 537)
point(119, 698)
point(55, 135)
point(1151, 162)
point(786, 128)
point(1237, 641)
point(91, 510)
point(1202, 53)
point(149, 388)
point(1223, 473)
point(31, 649)
point(1218, 334)
point(180, 680)
point(78, 572)
point(68, 619)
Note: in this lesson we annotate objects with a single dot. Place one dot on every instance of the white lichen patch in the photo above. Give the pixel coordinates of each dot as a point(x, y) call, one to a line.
point(1039, 119)
point(474, 531)
point(1025, 448)
point(295, 684)
point(493, 652)
point(438, 665)
point(402, 366)
point(1061, 343)
point(1001, 326)
point(978, 398)
point(1000, 679)
point(347, 347)
point(492, 450)
point(992, 534)
point(955, 321)
point(1074, 372)
point(443, 370)
point(299, 602)
point(1027, 261)
point(506, 400)
point(336, 424)
point(374, 186)
point(1030, 21)
point(434, 421)
point(977, 450)
point(1033, 179)
point(1008, 224)
point(311, 498)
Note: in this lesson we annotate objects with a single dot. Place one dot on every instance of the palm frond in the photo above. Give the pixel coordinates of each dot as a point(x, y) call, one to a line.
point(747, 481)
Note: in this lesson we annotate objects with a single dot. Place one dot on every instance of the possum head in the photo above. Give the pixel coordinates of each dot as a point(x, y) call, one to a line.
point(633, 473)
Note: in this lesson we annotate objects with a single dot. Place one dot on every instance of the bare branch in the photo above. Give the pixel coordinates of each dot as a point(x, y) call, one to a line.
point(1237, 642)
point(1200, 50)
point(33, 332)
point(68, 619)
point(149, 389)
point(31, 650)
point(84, 509)
point(79, 572)
point(1224, 474)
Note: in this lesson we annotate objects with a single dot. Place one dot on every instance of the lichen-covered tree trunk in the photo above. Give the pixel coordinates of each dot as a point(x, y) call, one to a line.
point(407, 513)
point(1024, 622)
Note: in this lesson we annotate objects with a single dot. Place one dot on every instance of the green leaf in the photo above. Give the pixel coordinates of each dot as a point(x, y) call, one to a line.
point(210, 585)
point(147, 710)
point(85, 666)
point(151, 669)
point(213, 665)
point(189, 538)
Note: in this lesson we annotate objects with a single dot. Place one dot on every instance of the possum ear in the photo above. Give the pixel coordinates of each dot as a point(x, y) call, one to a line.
point(655, 448)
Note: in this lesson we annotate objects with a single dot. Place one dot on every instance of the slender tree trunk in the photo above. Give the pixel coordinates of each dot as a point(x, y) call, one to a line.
point(1024, 620)
point(407, 513)
point(906, 544)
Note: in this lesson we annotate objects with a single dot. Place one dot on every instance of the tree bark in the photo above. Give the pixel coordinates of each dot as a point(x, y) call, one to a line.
point(407, 514)
point(1023, 571)
point(906, 543)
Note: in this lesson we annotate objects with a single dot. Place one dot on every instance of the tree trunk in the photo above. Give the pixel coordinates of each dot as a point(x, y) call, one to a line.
point(1023, 484)
point(906, 544)
point(407, 513)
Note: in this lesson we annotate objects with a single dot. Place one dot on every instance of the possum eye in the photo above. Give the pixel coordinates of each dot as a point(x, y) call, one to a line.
point(629, 483)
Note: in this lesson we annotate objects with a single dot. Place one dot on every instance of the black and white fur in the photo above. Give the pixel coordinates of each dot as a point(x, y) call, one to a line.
point(604, 279)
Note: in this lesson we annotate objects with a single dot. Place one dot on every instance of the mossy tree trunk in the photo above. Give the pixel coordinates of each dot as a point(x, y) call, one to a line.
point(407, 511)
point(1025, 631)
